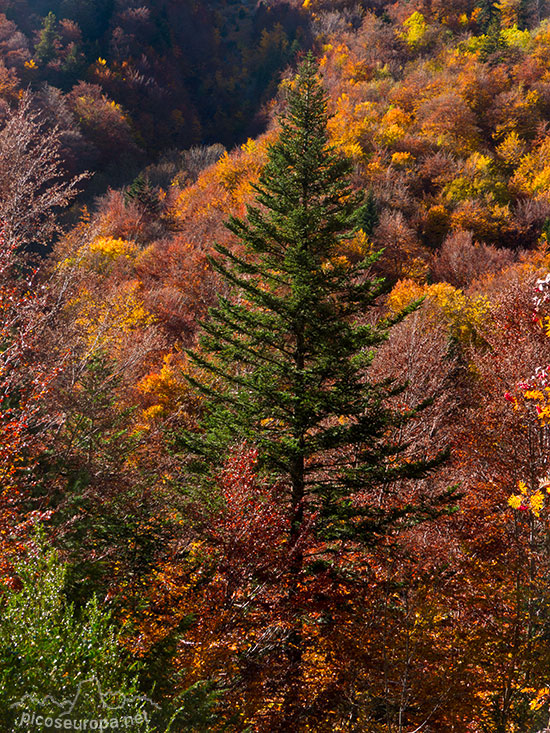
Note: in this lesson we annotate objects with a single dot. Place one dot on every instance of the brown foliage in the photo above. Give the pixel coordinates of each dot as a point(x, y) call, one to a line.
point(32, 186)
point(461, 260)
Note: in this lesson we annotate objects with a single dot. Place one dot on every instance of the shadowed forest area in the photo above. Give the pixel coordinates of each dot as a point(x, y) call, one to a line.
point(126, 82)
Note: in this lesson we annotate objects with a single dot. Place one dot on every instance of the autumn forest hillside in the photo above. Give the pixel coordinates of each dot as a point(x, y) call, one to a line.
point(127, 81)
point(275, 362)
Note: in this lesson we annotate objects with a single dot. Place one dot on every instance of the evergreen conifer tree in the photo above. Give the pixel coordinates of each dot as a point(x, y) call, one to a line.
point(48, 38)
point(289, 349)
point(290, 346)
point(368, 218)
point(144, 195)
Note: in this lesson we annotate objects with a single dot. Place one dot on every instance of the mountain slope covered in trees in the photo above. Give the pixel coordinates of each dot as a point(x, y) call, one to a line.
point(323, 505)
point(126, 81)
